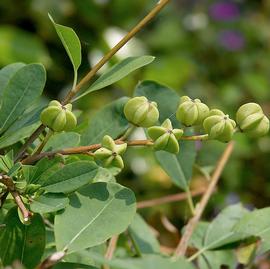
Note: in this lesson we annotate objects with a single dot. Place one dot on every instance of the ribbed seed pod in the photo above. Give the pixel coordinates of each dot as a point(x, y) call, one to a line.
point(251, 120)
point(219, 126)
point(165, 137)
point(141, 112)
point(110, 153)
point(191, 112)
point(58, 118)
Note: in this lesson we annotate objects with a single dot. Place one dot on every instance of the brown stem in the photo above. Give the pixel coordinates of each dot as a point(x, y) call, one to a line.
point(6, 180)
point(183, 244)
point(87, 149)
point(30, 140)
point(169, 199)
point(110, 250)
point(160, 5)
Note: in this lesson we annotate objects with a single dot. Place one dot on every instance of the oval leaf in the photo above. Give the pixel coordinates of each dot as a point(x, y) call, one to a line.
point(70, 177)
point(25, 243)
point(110, 120)
point(118, 72)
point(21, 91)
point(49, 202)
point(62, 140)
point(143, 236)
point(95, 213)
point(70, 42)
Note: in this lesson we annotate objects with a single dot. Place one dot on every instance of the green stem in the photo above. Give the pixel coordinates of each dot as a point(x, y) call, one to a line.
point(38, 149)
point(137, 250)
point(128, 132)
point(190, 201)
point(195, 137)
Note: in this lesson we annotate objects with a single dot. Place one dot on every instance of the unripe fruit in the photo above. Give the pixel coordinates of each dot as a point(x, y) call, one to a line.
point(165, 137)
point(109, 153)
point(141, 112)
point(219, 126)
point(57, 117)
point(191, 112)
point(251, 120)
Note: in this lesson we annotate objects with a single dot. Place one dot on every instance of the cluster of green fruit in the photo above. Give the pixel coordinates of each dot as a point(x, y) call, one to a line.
point(141, 112)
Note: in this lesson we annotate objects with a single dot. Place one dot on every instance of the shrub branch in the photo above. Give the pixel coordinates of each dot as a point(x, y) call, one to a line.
point(90, 148)
point(183, 244)
point(159, 6)
point(8, 182)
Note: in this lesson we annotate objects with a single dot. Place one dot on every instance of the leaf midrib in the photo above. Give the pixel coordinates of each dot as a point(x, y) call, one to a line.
point(86, 226)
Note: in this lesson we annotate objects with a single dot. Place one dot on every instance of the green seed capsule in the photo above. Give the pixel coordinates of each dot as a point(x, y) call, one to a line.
point(141, 112)
point(252, 121)
point(219, 126)
point(109, 153)
point(58, 118)
point(191, 112)
point(165, 137)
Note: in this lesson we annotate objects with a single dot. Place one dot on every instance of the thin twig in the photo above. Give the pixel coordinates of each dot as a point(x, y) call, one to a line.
point(6, 180)
point(110, 250)
point(30, 140)
point(87, 149)
point(160, 5)
point(183, 244)
point(169, 199)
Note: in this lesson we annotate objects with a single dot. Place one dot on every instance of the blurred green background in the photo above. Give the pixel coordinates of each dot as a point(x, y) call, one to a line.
point(218, 51)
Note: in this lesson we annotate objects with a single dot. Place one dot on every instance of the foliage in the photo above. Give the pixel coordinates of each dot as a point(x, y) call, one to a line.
point(63, 203)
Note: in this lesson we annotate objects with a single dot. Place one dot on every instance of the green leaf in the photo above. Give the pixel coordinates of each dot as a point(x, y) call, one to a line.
point(18, 45)
point(21, 128)
point(44, 169)
point(70, 177)
point(177, 166)
point(70, 42)
point(147, 262)
point(104, 175)
point(62, 140)
point(143, 236)
point(217, 259)
point(49, 202)
point(220, 232)
point(22, 90)
point(25, 243)
point(118, 72)
point(6, 73)
point(110, 120)
point(104, 210)
point(255, 223)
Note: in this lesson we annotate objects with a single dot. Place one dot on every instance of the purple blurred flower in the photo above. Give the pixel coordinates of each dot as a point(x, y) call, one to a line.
point(231, 40)
point(224, 11)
